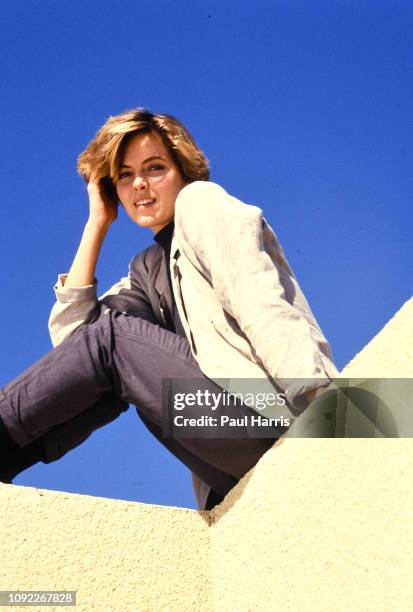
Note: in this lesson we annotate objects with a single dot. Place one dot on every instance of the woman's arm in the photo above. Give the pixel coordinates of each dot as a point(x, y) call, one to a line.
point(103, 211)
point(76, 292)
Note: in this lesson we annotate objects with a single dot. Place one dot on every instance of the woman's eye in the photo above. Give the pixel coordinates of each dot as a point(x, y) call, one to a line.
point(156, 167)
point(124, 175)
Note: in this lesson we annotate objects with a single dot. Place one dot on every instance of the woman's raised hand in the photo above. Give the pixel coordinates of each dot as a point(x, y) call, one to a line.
point(103, 203)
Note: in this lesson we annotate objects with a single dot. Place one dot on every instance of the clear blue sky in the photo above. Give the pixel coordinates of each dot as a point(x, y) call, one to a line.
point(304, 108)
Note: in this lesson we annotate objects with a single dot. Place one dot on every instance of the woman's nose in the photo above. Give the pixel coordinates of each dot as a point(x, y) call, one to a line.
point(140, 183)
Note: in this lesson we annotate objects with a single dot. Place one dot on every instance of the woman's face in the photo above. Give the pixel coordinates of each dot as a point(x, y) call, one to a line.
point(149, 181)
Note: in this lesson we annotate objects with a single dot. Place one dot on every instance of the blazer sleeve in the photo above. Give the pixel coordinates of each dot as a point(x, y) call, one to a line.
point(79, 306)
point(223, 238)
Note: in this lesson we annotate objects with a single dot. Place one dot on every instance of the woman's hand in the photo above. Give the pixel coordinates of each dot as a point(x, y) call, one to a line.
point(103, 207)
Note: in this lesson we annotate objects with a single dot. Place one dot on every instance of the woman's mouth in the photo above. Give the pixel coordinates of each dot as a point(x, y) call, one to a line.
point(145, 202)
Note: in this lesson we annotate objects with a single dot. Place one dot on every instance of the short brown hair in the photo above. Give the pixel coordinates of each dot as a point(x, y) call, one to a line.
point(103, 154)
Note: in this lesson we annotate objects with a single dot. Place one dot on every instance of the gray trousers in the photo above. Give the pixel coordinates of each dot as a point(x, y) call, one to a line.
point(91, 377)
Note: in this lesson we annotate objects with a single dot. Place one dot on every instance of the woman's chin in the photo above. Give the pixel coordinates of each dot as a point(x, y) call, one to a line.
point(153, 223)
point(145, 222)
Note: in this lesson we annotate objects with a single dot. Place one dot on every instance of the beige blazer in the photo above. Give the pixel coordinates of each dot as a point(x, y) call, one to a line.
point(242, 309)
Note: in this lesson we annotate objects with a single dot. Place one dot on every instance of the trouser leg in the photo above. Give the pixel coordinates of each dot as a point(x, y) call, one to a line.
point(59, 439)
point(131, 357)
point(63, 438)
point(56, 389)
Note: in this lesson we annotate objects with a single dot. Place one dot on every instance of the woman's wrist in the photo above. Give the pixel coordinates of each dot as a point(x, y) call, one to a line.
point(97, 226)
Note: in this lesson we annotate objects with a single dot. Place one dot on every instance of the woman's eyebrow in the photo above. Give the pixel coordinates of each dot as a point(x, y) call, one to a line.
point(145, 160)
point(154, 157)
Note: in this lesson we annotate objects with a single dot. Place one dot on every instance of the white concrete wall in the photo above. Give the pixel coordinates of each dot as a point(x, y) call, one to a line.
point(117, 555)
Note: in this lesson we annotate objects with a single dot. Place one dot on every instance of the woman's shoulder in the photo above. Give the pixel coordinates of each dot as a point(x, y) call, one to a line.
point(204, 204)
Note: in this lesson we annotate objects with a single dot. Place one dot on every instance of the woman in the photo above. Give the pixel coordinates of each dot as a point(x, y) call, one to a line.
point(197, 312)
